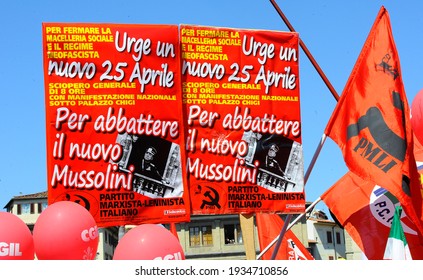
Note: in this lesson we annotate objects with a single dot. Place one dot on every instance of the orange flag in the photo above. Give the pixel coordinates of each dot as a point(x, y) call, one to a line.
point(269, 227)
point(371, 122)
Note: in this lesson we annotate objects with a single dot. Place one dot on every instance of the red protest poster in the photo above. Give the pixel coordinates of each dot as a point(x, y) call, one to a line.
point(114, 121)
point(240, 94)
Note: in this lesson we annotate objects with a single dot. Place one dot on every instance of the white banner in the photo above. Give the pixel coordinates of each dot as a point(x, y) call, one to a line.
point(206, 269)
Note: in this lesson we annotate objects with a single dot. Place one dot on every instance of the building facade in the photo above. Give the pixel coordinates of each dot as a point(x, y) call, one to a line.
point(329, 241)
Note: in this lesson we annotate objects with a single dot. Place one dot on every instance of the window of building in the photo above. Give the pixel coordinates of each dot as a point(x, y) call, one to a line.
point(25, 208)
point(331, 258)
point(200, 236)
point(338, 238)
point(113, 241)
point(32, 207)
point(19, 209)
point(41, 206)
point(110, 239)
point(207, 235)
point(194, 236)
point(329, 236)
point(233, 234)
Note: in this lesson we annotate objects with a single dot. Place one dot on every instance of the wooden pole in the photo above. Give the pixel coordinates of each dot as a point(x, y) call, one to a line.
point(247, 227)
point(307, 52)
point(314, 159)
point(281, 234)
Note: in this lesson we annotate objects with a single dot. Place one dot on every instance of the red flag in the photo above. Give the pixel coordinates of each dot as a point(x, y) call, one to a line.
point(269, 227)
point(418, 155)
point(173, 230)
point(366, 212)
point(371, 122)
point(418, 152)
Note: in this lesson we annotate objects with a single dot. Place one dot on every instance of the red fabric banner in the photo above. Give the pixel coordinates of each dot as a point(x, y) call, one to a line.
point(114, 121)
point(371, 122)
point(269, 227)
point(242, 109)
point(173, 230)
point(366, 212)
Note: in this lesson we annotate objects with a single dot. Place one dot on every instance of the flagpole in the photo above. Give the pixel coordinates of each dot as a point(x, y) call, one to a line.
point(307, 52)
point(288, 227)
point(281, 234)
point(314, 159)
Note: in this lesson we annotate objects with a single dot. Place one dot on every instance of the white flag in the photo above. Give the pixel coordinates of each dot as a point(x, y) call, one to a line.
point(397, 246)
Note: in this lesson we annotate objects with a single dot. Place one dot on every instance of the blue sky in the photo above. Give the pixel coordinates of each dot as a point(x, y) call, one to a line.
point(333, 31)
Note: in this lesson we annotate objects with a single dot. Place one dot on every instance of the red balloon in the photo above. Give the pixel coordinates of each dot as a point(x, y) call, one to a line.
point(65, 231)
point(149, 242)
point(417, 116)
point(16, 242)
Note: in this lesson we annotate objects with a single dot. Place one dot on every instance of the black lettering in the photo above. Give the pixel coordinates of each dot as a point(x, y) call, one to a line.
point(381, 133)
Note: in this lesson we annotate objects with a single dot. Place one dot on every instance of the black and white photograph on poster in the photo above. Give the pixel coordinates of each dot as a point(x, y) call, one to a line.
point(280, 161)
point(156, 165)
